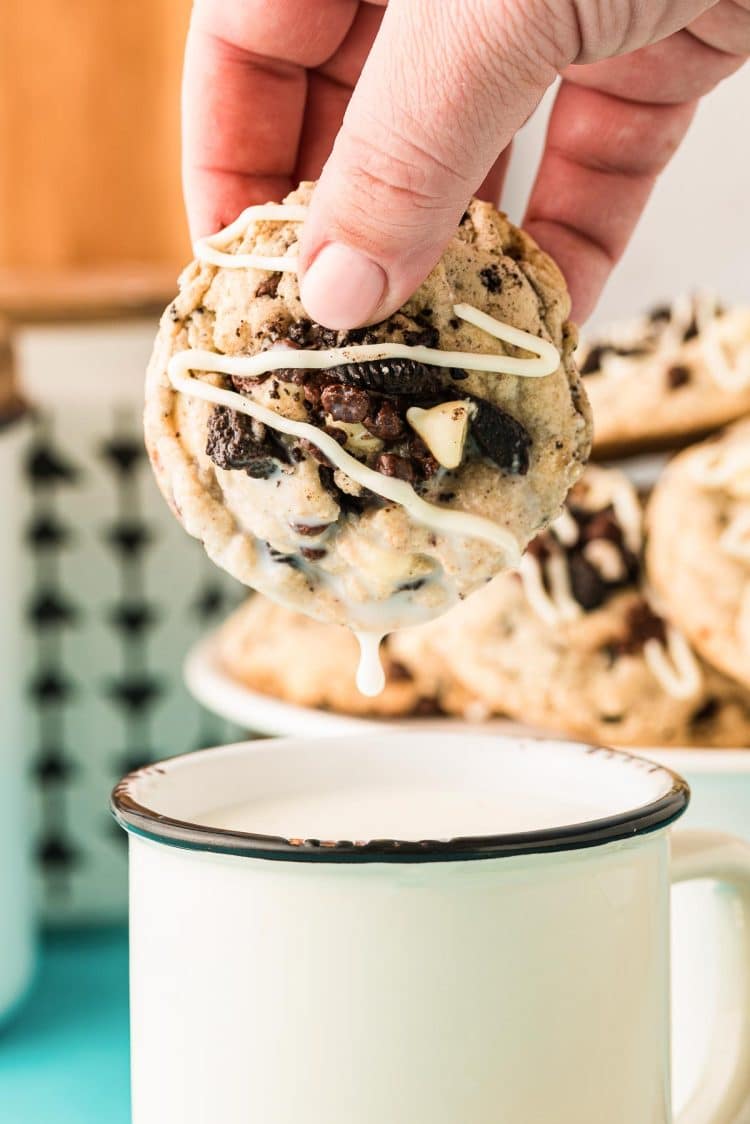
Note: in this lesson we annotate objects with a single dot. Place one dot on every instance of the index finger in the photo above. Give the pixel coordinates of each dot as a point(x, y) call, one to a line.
point(244, 92)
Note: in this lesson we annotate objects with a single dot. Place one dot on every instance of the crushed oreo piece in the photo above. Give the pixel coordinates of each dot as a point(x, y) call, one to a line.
point(642, 624)
point(457, 374)
point(706, 712)
point(236, 441)
point(660, 313)
point(678, 375)
point(392, 376)
point(491, 279)
point(284, 559)
point(691, 331)
point(503, 439)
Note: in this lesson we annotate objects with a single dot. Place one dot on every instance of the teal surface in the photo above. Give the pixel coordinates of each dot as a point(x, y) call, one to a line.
point(64, 1055)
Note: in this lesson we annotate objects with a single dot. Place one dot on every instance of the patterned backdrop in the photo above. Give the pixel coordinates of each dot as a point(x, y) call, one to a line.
point(115, 595)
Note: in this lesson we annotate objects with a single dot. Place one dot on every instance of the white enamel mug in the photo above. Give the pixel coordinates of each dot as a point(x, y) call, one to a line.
point(428, 929)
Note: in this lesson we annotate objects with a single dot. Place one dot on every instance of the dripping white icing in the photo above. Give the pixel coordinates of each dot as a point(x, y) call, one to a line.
point(675, 667)
point(370, 674)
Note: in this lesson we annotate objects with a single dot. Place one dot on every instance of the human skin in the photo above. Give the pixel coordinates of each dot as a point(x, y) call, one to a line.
point(404, 111)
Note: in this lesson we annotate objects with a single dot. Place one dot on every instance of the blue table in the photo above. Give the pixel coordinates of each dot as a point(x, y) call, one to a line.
point(64, 1056)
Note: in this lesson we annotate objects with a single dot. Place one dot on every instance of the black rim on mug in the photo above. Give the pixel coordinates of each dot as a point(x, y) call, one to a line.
point(138, 819)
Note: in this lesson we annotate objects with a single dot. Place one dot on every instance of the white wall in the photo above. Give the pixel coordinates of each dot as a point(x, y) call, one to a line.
point(696, 229)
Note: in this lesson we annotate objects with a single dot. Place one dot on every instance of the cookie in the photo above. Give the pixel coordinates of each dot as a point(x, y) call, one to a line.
point(370, 477)
point(699, 548)
point(667, 378)
point(278, 652)
point(573, 644)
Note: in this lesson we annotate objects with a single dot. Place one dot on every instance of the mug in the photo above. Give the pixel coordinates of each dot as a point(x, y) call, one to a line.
point(418, 929)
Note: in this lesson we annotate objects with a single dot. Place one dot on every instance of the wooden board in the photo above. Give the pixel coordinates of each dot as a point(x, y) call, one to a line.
point(89, 133)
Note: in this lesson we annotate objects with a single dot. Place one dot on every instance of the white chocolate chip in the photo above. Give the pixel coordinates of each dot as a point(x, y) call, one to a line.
point(443, 429)
point(606, 559)
point(358, 439)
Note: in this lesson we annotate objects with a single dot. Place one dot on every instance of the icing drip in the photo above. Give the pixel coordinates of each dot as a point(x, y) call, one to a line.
point(674, 666)
point(723, 468)
point(370, 674)
point(565, 528)
point(558, 605)
point(629, 515)
point(730, 375)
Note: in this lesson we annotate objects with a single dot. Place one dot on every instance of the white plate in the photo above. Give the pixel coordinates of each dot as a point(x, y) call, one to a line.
point(212, 686)
point(220, 693)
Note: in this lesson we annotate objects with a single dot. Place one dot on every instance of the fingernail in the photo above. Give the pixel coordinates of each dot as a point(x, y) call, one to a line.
point(342, 288)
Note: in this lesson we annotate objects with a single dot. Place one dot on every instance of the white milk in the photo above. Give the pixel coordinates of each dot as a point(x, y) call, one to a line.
point(410, 813)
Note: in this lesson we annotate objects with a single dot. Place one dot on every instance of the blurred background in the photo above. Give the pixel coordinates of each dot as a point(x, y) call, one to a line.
point(104, 593)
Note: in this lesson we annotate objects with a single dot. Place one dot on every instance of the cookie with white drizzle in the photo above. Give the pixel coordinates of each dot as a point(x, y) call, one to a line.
point(371, 477)
point(699, 547)
point(289, 656)
point(577, 647)
point(673, 375)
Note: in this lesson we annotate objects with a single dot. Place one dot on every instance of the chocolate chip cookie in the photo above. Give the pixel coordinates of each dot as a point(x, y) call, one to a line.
point(671, 376)
point(699, 548)
point(289, 656)
point(375, 476)
point(573, 643)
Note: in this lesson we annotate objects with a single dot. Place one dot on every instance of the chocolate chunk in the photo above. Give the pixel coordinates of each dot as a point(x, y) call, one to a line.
point(491, 279)
point(392, 376)
point(660, 313)
point(313, 554)
point(678, 375)
point(599, 525)
point(309, 528)
point(426, 335)
point(384, 422)
point(587, 585)
point(691, 331)
point(268, 285)
point(345, 403)
point(503, 439)
point(390, 464)
point(642, 624)
point(421, 457)
point(237, 441)
point(705, 713)
point(284, 559)
point(593, 360)
point(397, 672)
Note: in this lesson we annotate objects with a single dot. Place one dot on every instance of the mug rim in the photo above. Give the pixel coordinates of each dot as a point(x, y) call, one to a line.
point(140, 820)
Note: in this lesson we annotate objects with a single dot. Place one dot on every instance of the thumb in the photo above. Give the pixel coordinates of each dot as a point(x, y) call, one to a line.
point(444, 89)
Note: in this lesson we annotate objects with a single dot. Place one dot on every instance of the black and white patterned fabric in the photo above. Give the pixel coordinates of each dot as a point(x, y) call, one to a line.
point(115, 594)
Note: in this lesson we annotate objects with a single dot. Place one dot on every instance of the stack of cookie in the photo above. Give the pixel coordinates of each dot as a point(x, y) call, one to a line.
point(602, 634)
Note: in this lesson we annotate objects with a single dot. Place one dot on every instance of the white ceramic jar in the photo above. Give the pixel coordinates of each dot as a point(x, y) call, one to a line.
point(491, 943)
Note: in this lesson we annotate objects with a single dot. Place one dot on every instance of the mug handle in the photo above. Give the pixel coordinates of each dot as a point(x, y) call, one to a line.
point(724, 1087)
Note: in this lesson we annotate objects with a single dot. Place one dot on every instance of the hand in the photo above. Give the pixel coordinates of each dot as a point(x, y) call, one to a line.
point(413, 109)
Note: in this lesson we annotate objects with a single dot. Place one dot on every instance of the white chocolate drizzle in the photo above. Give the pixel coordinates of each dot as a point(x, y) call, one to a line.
point(370, 673)
point(558, 605)
point(565, 528)
point(673, 665)
point(390, 488)
point(212, 249)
